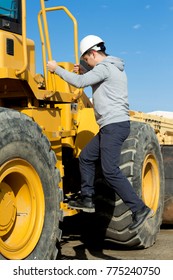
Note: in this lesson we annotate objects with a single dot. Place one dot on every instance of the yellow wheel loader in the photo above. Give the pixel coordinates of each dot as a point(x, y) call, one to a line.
point(44, 124)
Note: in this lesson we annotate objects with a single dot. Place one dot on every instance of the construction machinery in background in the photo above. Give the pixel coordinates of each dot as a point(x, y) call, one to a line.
point(44, 124)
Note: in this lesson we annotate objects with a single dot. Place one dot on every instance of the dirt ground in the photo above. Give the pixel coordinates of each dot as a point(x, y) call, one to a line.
point(76, 247)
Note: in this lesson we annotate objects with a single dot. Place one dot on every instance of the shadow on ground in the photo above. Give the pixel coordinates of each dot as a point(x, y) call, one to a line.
point(81, 234)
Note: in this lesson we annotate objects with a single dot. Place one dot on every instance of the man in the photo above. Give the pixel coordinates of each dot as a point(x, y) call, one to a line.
point(110, 100)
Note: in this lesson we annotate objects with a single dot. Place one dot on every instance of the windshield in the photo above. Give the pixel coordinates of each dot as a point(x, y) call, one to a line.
point(10, 16)
point(9, 8)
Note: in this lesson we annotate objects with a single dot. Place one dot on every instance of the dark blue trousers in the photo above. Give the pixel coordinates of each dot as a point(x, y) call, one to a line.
point(106, 146)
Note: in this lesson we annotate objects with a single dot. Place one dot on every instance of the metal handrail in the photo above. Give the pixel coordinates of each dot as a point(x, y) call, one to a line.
point(24, 40)
point(45, 41)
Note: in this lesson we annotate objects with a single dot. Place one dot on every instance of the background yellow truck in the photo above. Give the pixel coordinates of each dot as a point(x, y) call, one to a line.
point(44, 124)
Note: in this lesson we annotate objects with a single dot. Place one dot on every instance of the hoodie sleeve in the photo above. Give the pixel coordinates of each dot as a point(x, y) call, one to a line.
point(98, 74)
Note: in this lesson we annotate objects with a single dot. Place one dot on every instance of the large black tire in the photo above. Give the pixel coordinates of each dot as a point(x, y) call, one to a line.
point(141, 162)
point(29, 186)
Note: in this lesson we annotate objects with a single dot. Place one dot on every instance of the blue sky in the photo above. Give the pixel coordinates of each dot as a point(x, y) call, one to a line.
point(138, 31)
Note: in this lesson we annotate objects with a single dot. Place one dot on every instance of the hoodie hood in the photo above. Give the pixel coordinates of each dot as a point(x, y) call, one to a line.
point(118, 62)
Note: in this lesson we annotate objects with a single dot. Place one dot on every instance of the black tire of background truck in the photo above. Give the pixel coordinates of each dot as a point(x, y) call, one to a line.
point(22, 140)
point(113, 216)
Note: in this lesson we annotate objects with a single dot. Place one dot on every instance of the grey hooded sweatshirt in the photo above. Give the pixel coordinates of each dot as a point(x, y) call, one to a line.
point(109, 84)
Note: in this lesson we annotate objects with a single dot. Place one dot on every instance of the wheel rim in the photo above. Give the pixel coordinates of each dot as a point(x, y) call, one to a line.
point(21, 209)
point(150, 182)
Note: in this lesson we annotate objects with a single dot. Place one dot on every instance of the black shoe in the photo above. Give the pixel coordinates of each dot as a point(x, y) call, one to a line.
point(85, 204)
point(139, 217)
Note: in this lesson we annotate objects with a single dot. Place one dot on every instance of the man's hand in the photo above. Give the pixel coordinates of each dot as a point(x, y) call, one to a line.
point(78, 69)
point(52, 65)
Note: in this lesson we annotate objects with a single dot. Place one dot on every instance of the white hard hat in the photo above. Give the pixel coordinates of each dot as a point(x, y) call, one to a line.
point(89, 42)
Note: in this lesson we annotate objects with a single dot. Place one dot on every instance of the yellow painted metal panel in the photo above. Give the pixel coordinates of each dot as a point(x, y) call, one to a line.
point(87, 128)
